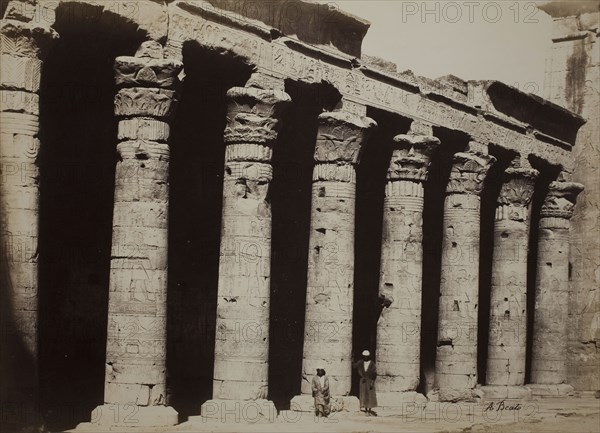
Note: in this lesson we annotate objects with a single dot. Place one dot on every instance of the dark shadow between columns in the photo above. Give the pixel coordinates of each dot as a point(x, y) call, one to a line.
point(77, 162)
point(433, 214)
point(196, 189)
point(370, 191)
point(489, 196)
point(290, 203)
point(548, 174)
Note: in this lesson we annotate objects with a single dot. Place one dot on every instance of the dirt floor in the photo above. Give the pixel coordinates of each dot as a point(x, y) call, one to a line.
point(561, 415)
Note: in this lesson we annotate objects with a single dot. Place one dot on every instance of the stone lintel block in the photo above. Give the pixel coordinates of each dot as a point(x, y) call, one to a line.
point(543, 391)
point(393, 382)
point(128, 415)
point(501, 392)
point(460, 382)
point(240, 369)
point(341, 136)
point(236, 411)
point(306, 403)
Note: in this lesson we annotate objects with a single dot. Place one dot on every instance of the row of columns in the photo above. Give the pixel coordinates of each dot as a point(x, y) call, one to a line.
point(136, 339)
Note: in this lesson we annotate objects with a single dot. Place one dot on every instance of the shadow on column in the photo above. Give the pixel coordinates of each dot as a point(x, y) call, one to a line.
point(77, 162)
point(489, 197)
point(548, 174)
point(196, 189)
point(370, 191)
point(290, 195)
point(433, 218)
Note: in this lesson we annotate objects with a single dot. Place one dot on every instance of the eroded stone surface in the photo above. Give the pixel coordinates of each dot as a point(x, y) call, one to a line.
point(330, 286)
point(242, 335)
point(456, 361)
point(507, 341)
point(550, 333)
point(400, 285)
point(136, 340)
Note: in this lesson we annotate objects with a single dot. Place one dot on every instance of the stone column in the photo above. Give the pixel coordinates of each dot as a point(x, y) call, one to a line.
point(22, 45)
point(549, 356)
point(507, 342)
point(330, 285)
point(456, 360)
point(135, 380)
point(400, 282)
point(242, 335)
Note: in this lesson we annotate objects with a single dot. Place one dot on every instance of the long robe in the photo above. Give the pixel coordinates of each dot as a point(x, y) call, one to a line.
point(367, 392)
point(321, 395)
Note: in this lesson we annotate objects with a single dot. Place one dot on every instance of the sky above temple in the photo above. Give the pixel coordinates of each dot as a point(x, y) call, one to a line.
point(505, 40)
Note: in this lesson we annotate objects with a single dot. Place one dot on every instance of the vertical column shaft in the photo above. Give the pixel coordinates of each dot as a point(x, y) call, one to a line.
point(330, 285)
point(242, 336)
point(508, 300)
point(400, 283)
point(22, 44)
point(456, 360)
point(549, 355)
point(137, 305)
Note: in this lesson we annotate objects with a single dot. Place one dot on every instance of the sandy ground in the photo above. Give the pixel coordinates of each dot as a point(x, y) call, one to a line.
point(560, 415)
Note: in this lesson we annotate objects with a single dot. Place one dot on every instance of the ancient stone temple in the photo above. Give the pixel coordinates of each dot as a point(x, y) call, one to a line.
point(201, 203)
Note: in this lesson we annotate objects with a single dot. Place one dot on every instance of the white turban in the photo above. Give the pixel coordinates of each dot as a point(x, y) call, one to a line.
point(366, 353)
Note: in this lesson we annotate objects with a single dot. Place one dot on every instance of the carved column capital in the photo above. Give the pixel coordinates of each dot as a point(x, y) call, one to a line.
point(253, 121)
point(468, 172)
point(411, 157)
point(148, 68)
point(339, 141)
point(516, 194)
point(561, 199)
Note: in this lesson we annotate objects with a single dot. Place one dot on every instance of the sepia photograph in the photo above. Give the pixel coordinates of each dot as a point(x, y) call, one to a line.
point(299, 216)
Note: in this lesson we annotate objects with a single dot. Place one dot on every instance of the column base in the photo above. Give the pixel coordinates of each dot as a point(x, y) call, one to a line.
point(129, 415)
point(452, 395)
point(247, 411)
point(306, 403)
point(501, 392)
point(397, 400)
point(545, 391)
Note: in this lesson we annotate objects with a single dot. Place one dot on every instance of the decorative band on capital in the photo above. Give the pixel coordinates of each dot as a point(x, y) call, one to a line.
point(145, 102)
point(560, 200)
point(334, 173)
point(141, 128)
point(19, 123)
point(341, 136)
point(518, 187)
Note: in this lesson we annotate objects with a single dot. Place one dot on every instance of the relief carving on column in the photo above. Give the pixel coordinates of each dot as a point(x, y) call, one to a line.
point(561, 199)
point(338, 147)
point(468, 172)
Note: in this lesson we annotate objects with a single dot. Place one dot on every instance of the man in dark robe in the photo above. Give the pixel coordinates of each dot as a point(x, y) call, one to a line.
point(320, 392)
point(368, 373)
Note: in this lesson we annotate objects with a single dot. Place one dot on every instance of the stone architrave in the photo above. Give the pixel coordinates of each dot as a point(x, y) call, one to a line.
point(330, 285)
point(23, 44)
point(135, 378)
point(507, 342)
point(549, 354)
point(456, 360)
point(242, 335)
point(400, 283)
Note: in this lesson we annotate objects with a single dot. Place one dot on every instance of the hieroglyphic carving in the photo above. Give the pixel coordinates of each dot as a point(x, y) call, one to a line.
point(550, 335)
point(456, 361)
point(400, 282)
point(136, 337)
point(508, 298)
point(242, 343)
point(330, 285)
